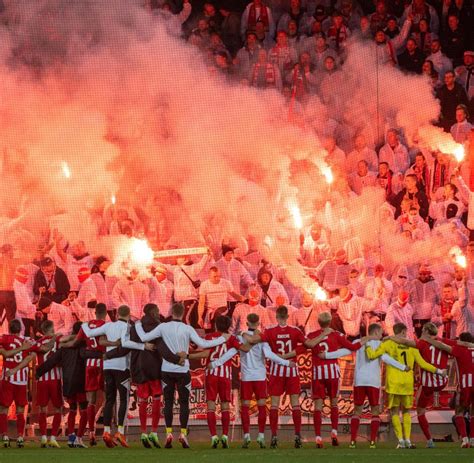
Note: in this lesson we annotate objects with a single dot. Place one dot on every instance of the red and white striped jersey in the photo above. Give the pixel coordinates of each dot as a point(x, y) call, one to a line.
point(10, 342)
point(437, 358)
point(465, 360)
point(224, 371)
point(55, 373)
point(92, 343)
point(283, 340)
point(329, 368)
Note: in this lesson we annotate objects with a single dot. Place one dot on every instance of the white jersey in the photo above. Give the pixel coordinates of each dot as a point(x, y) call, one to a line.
point(253, 362)
point(177, 337)
point(367, 372)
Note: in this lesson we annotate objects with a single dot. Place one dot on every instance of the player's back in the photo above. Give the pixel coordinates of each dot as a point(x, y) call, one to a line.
point(10, 342)
point(224, 371)
point(55, 373)
point(465, 362)
point(436, 357)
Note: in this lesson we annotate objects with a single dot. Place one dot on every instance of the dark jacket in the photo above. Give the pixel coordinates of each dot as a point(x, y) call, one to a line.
point(61, 282)
point(449, 100)
point(145, 365)
point(411, 63)
point(73, 364)
point(420, 197)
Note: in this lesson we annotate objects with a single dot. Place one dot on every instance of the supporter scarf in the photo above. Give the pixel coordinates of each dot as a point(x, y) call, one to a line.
point(299, 85)
point(252, 19)
point(423, 177)
point(284, 52)
point(438, 176)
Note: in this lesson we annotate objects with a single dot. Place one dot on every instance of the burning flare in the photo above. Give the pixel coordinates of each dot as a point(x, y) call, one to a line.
point(66, 169)
point(140, 252)
point(113, 200)
point(458, 257)
point(296, 214)
point(320, 294)
point(327, 172)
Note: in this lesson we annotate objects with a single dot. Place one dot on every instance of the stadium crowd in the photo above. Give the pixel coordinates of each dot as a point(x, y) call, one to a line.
point(132, 324)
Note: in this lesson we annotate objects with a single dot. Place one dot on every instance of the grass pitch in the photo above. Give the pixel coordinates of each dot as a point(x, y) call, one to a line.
point(200, 452)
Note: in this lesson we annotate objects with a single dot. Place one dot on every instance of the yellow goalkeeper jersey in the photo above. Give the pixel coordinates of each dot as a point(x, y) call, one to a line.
point(397, 381)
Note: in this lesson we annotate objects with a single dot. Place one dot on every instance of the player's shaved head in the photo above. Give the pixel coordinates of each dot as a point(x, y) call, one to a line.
point(177, 310)
point(430, 328)
point(324, 319)
point(253, 318)
point(399, 328)
point(123, 311)
point(374, 328)
point(282, 312)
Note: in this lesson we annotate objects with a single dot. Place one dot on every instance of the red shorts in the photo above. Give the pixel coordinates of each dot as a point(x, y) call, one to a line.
point(49, 391)
point(466, 397)
point(149, 389)
point(249, 388)
point(278, 385)
point(10, 393)
point(323, 388)
point(215, 385)
point(78, 398)
point(94, 379)
point(372, 394)
point(425, 395)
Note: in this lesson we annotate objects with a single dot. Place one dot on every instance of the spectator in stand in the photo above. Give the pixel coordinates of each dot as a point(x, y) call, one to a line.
point(394, 153)
point(270, 288)
point(386, 49)
point(263, 37)
point(131, 292)
point(428, 70)
point(319, 50)
point(425, 299)
point(338, 33)
point(419, 9)
point(255, 12)
point(379, 19)
point(51, 282)
point(295, 13)
point(247, 56)
point(333, 274)
point(412, 58)
point(295, 39)
point(351, 14)
point(412, 193)
point(334, 154)
point(453, 40)
point(301, 78)
point(422, 171)
point(392, 29)
point(282, 55)
point(461, 129)
point(465, 74)
point(441, 62)
point(361, 152)
point(450, 95)
point(362, 178)
point(387, 181)
point(265, 74)
point(8, 265)
point(424, 37)
point(230, 27)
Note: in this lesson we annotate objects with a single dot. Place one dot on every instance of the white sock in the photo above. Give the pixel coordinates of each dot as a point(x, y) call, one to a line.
point(121, 429)
point(107, 429)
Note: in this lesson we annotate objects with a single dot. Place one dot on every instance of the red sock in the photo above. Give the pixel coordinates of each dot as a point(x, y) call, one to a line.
point(274, 421)
point(142, 413)
point(155, 413)
point(56, 423)
point(91, 417)
point(317, 420)
point(334, 418)
point(3, 424)
point(471, 432)
point(82, 422)
point(20, 424)
point(225, 422)
point(461, 425)
point(374, 427)
point(296, 413)
point(211, 422)
point(42, 423)
point(245, 418)
point(355, 421)
point(425, 427)
point(71, 420)
point(262, 418)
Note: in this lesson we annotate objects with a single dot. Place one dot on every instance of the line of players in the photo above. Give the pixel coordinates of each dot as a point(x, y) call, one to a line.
point(278, 344)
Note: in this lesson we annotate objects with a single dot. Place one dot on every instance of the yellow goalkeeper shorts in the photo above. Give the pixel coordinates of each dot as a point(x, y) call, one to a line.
point(396, 400)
